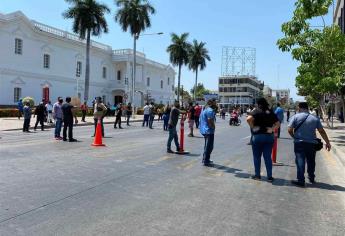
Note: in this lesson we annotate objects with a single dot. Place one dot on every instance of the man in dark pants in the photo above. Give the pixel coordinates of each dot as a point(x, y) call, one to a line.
point(118, 116)
point(152, 114)
point(207, 129)
point(302, 128)
point(27, 117)
point(173, 120)
point(40, 112)
point(129, 112)
point(68, 114)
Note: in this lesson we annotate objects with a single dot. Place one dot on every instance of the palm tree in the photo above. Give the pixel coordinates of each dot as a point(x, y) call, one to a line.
point(135, 16)
point(198, 55)
point(179, 50)
point(88, 18)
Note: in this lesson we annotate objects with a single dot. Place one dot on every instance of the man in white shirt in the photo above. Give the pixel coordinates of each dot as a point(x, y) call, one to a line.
point(146, 115)
point(49, 110)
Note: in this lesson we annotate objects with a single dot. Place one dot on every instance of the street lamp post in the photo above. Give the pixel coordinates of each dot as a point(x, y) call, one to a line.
point(136, 37)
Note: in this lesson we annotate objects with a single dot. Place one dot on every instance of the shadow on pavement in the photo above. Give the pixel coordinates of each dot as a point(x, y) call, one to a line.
point(325, 186)
point(225, 168)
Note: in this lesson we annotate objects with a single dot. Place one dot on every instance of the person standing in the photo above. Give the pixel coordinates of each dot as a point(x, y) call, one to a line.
point(99, 112)
point(207, 129)
point(57, 116)
point(27, 117)
point(262, 122)
point(280, 115)
point(152, 114)
point(118, 116)
point(68, 115)
point(166, 117)
point(129, 112)
point(302, 128)
point(40, 113)
point(288, 115)
point(173, 120)
point(197, 113)
point(20, 108)
point(191, 119)
point(49, 111)
point(146, 115)
point(83, 109)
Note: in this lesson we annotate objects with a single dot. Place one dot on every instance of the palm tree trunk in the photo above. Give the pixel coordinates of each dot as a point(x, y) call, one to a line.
point(178, 82)
point(87, 67)
point(196, 83)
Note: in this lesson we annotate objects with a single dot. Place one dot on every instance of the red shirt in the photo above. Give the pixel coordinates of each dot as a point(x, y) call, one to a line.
point(197, 110)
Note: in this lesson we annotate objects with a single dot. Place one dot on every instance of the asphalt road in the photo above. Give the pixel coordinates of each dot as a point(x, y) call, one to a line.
point(132, 187)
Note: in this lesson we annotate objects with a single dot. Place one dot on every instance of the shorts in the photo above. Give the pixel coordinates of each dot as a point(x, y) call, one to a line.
point(191, 123)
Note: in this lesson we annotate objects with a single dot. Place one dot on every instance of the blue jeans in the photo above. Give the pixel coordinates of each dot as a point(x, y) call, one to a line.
point(58, 125)
point(146, 120)
point(152, 117)
point(173, 136)
point(305, 152)
point(262, 145)
point(208, 147)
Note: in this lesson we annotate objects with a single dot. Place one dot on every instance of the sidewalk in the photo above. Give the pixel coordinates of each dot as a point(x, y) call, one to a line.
point(337, 138)
point(8, 124)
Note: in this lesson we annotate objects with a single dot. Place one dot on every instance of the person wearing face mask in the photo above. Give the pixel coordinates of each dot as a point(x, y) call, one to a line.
point(207, 129)
point(57, 116)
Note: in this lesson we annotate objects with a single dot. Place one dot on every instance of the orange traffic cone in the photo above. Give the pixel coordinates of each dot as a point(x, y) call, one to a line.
point(98, 136)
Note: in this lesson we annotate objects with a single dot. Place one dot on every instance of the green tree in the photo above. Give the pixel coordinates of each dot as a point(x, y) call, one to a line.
point(179, 51)
point(198, 55)
point(200, 91)
point(320, 51)
point(88, 18)
point(134, 15)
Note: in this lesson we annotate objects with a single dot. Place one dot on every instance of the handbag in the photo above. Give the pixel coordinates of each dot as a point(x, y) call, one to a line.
point(319, 145)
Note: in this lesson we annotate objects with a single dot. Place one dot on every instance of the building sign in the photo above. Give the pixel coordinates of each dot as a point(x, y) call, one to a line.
point(210, 96)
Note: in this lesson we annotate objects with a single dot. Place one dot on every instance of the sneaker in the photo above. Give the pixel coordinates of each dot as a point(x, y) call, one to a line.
point(312, 180)
point(255, 177)
point(64, 139)
point(190, 135)
point(73, 140)
point(270, 179)
point(298, 183)
point(120, 128)
point(208, 163)
point(170, 151)
point(60, 138)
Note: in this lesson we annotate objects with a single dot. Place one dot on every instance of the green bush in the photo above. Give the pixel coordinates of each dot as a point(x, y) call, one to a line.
point(140, 111)
point(9, 112)
point(30, 100)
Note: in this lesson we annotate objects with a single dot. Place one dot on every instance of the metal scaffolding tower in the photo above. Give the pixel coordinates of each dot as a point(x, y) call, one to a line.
point(238, 61)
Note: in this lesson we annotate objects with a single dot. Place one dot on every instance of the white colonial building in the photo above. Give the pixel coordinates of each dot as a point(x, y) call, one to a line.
point(44, 62)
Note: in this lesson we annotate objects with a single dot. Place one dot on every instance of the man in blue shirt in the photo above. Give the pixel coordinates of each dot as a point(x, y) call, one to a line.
point(207, 129)
point(280, 114)
point(302, 128)
point(20, 108)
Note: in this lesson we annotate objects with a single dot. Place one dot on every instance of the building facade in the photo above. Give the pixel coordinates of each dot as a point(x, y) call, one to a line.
point(238, 90)
point(267, 91)
point(44, 62)
point(281, 94)
point(339, 16)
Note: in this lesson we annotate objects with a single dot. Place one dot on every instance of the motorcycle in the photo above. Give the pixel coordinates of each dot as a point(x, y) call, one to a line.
point(234, 121)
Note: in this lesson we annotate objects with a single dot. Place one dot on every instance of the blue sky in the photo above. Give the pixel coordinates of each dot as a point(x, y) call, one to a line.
point(250, 23)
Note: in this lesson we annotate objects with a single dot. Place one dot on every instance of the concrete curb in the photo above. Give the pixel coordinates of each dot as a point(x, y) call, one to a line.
point(78, 125)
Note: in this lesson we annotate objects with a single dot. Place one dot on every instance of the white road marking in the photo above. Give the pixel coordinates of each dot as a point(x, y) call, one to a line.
point(246, 137)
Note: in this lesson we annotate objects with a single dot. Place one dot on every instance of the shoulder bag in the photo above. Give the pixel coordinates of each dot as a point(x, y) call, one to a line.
point(319, 145)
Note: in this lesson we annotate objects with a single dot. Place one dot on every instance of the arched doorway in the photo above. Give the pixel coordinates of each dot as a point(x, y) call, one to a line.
point(118, 96)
